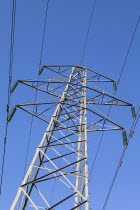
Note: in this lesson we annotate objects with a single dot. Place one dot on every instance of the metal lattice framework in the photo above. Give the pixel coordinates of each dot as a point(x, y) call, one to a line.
point(62, 154)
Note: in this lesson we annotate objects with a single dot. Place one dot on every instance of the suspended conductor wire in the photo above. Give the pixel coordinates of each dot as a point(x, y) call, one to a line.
point(40, 63)
point(35, 111)
point(128, 51)
point(122, 69)
point(121, 159)
point(44, 32)
point(87, 35)
point(9, 86)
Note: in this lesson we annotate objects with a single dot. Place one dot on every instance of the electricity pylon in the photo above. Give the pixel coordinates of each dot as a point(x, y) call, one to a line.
point(57, 177)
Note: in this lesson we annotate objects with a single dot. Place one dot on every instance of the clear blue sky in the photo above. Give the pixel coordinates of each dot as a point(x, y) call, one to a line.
point(111, 30)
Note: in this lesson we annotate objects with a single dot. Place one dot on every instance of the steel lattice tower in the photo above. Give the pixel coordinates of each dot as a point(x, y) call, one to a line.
point(62, 154)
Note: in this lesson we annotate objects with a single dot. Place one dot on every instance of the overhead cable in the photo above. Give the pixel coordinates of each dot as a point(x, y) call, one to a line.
point(121, 159)
point(119, 79)
point(9, 86)
point(40, 63)
point(87, 35)
point(129, 48)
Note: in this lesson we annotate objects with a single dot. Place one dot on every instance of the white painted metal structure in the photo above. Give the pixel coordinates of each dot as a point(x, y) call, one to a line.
point(62, 154)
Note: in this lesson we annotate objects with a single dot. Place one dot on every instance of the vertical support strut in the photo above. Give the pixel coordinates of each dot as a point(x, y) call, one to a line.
point(86, 146)
point(82, 167)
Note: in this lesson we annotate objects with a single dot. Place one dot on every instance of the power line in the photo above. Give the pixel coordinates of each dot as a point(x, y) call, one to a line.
point(9, 86)
point(44, 32)
point(122, 69)
point(121, 159)
point(40, 63)
point(92, 13)
point(128, 51)
point(39, 66)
